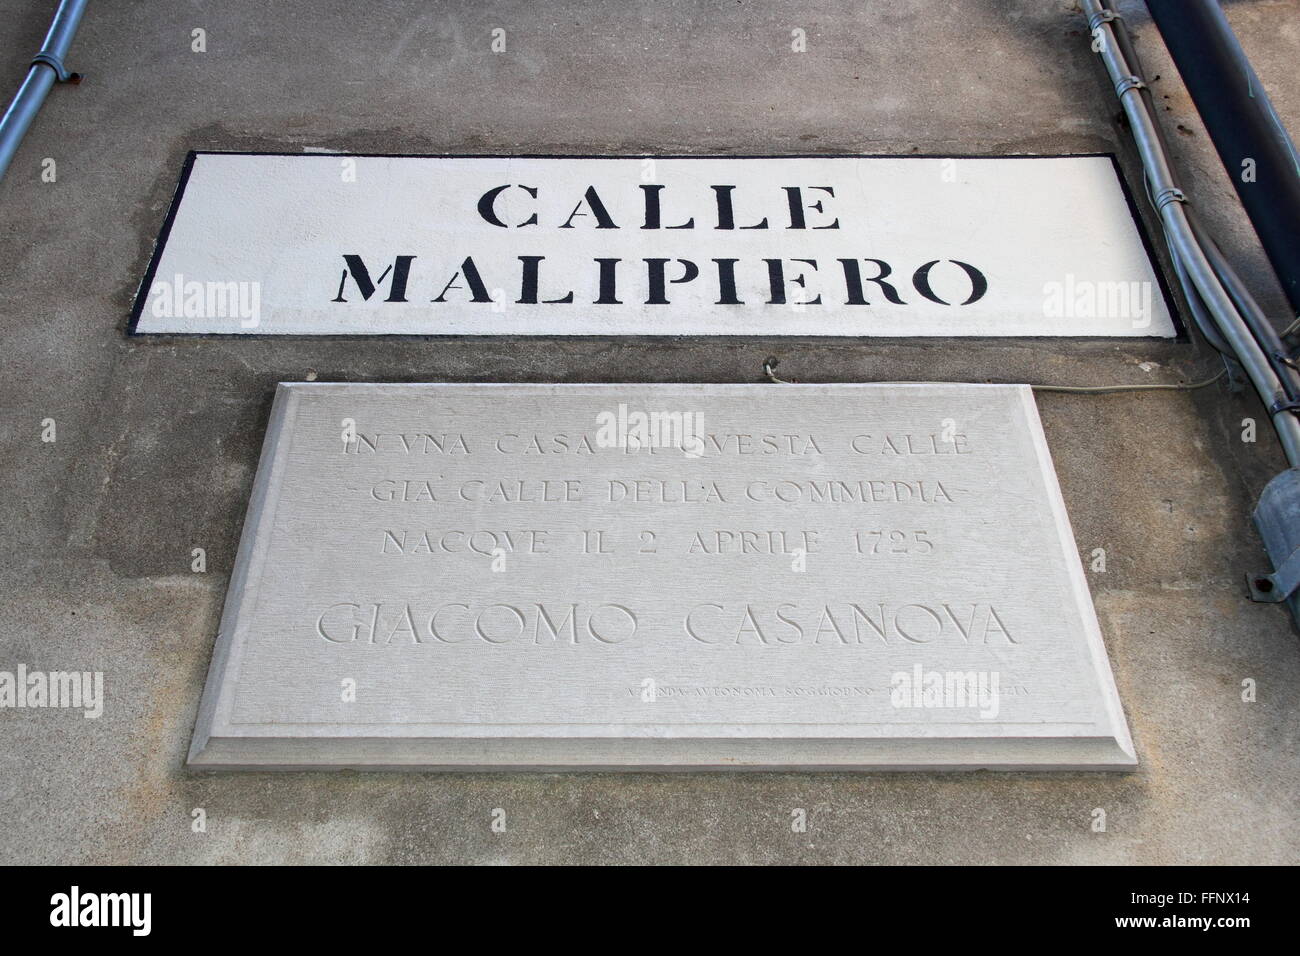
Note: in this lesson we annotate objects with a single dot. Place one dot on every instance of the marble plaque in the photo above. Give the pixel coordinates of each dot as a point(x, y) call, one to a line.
point(483, 577)
point(260, 244)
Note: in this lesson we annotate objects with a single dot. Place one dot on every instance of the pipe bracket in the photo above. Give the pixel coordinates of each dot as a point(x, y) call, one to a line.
point(45, 58)
point(1126, 83)
point(1104, 16)
point(1284, 405)
point(1168, 195)
point(1276, 587)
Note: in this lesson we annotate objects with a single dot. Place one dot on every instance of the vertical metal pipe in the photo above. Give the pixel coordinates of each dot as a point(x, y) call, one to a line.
point(46, 68)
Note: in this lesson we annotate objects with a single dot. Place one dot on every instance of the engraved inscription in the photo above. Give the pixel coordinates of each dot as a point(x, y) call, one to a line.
point(525, 568)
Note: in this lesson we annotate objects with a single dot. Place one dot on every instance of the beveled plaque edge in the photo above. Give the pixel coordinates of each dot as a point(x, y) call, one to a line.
point(214, 705)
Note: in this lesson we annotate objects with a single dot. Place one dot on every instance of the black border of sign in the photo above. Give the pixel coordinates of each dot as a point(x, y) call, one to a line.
point(141, 295)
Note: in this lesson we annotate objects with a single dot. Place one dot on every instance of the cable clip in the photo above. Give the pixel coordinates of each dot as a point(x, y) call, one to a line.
point(54, 63)
point(1166, 196)
point(770, 363)
point(1284, 405)
point(1104, 16)
point(1129, 83)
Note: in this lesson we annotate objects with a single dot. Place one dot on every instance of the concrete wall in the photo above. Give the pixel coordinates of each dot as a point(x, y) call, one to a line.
point(158, 439)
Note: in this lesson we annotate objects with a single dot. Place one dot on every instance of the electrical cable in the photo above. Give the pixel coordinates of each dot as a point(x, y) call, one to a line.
point(1270, 341)
point(1267, 370)
point(772, 362)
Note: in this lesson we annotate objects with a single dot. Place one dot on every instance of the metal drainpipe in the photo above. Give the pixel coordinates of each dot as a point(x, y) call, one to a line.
point(47, 67)
point(1243, 125)
point(1169, 203)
